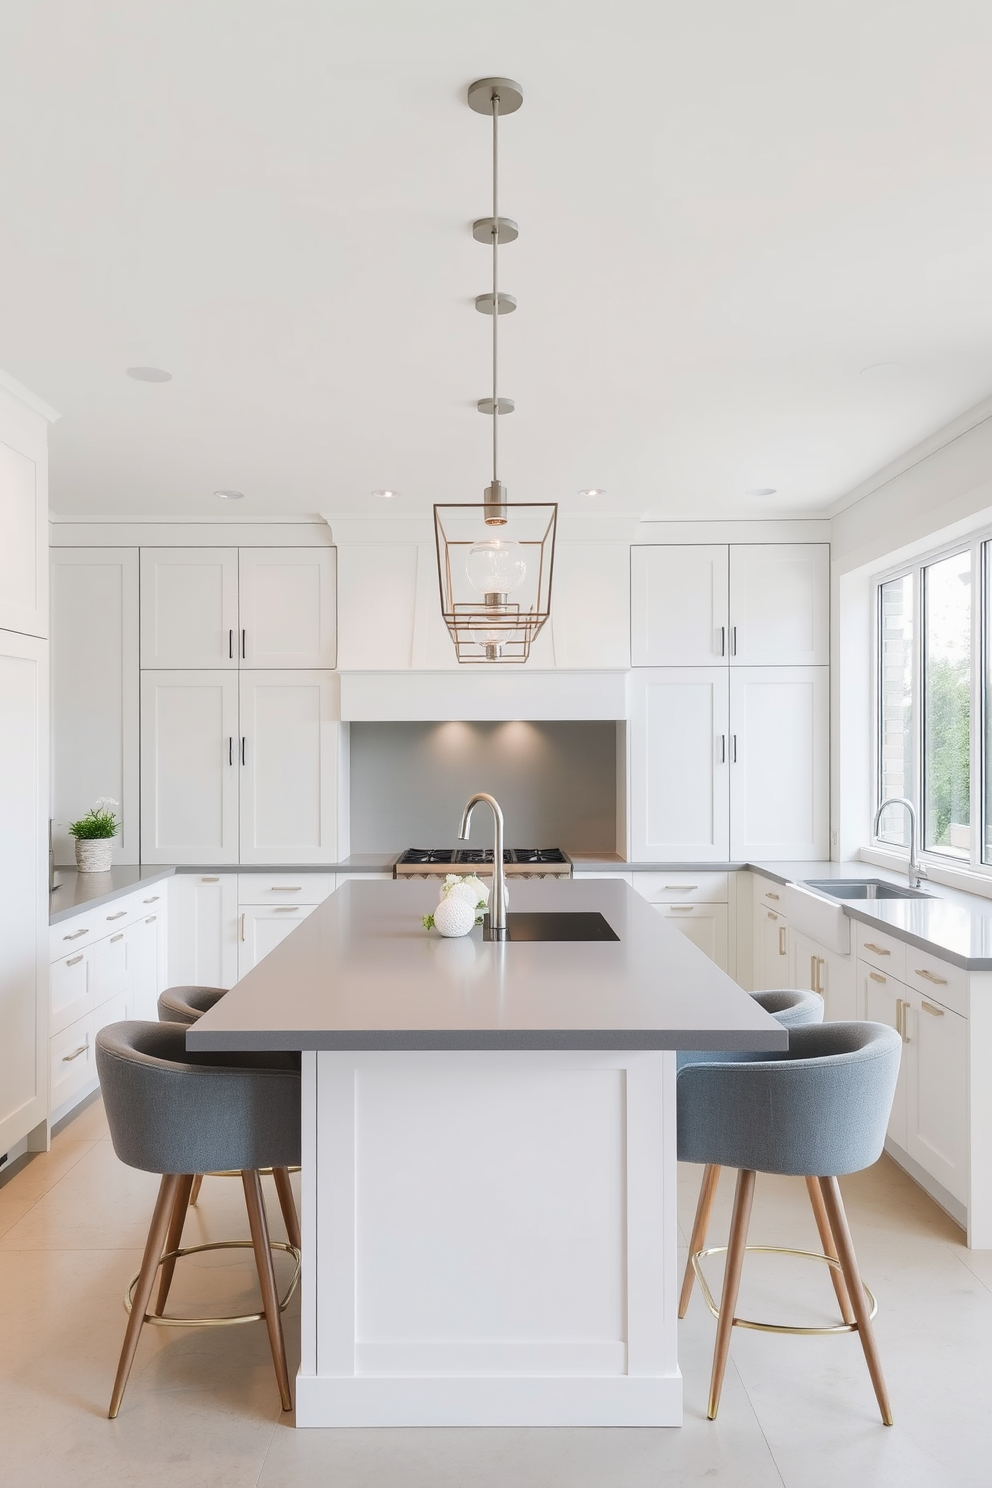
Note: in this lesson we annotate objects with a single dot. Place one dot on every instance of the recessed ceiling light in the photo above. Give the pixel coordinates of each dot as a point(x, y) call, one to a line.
point(149, 374)
point(386, 495)
point(593, 491)
point(230, 495)
point(761, 491)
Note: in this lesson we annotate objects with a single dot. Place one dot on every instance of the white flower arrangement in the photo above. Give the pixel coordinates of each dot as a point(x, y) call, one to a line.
point(464, 900)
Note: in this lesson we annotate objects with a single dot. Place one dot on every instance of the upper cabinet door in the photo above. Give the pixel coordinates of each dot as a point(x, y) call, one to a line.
point(23, 540)
point(189, 608)
point(290, 738)
point(679, 766)
point(679, 605)
point(288, 607)
point(779, 772)
point(780, 604)
point(190, 761)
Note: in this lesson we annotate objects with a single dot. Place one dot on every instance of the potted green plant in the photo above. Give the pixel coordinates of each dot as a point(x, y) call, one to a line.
point(94, 834)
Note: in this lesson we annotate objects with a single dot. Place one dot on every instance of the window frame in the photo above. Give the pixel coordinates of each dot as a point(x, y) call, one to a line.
point(981, 654)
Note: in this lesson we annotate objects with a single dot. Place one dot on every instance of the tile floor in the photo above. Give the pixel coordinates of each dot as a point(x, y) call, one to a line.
point(201, 1409)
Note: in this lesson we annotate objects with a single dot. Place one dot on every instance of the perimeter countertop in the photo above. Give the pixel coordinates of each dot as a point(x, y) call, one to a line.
point(362, 973)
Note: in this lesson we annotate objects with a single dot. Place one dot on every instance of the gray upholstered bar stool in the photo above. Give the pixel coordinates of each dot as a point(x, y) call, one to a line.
point(793, 1008)
point(178, 1113)
point(817, 1111)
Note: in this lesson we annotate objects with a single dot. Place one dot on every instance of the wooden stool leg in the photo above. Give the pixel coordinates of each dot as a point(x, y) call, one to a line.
point(837, 1216)
point(287, 1204)
point(172, 1241)
point(194, 1192)
point(731, 1284)
point(829, 1247)
point(164, 1208)
point(267, 1280)
point(704, 1208)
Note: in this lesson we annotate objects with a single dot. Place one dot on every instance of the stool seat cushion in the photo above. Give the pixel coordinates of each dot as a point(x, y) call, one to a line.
point(172, 1110)
point(820, 1108)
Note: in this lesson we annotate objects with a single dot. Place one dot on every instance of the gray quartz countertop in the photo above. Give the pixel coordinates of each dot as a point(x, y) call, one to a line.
point(78, 891)
point(362, 973)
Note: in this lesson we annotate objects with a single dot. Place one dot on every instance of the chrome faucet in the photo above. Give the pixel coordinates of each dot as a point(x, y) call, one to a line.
point(497, 906)
point(917, 872)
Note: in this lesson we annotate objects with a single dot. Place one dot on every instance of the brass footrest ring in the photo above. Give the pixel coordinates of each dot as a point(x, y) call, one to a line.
point(236, 1172)
point(167, 1320)
point(810, 1255)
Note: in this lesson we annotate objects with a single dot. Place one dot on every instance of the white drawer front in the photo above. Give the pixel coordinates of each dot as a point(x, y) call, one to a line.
point(772, 895)
point(675, 888)
point(69, 989)
point(937, 980)
point(118, 914)
point(114, 1010)
point(883, 951)
point(110, 970)
point(73, 1061)
point(284, 888)
point(72, 935)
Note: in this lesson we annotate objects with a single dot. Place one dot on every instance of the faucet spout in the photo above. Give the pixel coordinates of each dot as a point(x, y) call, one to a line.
point(916, 871)
point(497, 906)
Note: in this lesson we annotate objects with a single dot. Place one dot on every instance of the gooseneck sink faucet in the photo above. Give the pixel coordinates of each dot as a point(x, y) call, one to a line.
point(916, 870)
point(497, 904)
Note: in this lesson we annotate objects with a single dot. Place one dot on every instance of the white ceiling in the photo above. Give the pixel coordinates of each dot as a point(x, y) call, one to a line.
point(728, 209)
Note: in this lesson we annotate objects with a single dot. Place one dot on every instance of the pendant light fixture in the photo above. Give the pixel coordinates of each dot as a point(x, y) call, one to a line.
point(496, 558)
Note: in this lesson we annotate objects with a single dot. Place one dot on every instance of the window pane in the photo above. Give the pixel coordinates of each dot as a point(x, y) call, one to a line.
point(947, 706)
point(895, 723)
point(987, 692)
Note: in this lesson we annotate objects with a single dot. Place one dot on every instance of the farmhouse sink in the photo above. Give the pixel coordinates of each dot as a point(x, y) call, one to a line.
point(863, 888)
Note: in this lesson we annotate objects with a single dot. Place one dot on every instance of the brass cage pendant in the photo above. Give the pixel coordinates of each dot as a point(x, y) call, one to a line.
point(495, 625)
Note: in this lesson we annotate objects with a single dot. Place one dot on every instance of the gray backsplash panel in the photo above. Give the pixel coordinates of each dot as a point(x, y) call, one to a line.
point(556, 783)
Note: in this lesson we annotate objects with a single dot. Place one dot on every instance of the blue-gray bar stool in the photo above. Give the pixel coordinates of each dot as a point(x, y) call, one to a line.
point(178, 1113)
point(793, 1008)
point(816, 1111)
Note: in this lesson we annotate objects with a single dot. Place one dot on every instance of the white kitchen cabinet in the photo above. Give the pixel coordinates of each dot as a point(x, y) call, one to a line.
point(208, 930)
point(23, 885)
point(827, 972)
point(883, 999)
point(679, 605)
point(779, 772)
point(146, 942)
point(95, 751)
point(591, 635)
point(189, 608)
point(935, 1052)
point(773, 950)
point(704, 924)
point(263, 926)
point(190, 764)
point(779, 604)
point(287, 607)
point(289, 751)
point(680, 765)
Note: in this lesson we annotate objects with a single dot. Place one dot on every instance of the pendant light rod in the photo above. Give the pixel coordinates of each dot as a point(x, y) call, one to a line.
point(495, 286)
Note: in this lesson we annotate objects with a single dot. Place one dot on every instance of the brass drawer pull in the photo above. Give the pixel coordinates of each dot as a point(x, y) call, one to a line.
point(781, 940)
point(286, 889)
point(118, 936)
point(76, 934)
point(929, 976)
point(879, 950)
point(118, 916)
point(902, 1022)
point(68, 1058)
point(74, 960)
point(770, 895)
point(286, 908)
point(928, 1007)
point(210, 880)
point(877, 977)
point(771, 914)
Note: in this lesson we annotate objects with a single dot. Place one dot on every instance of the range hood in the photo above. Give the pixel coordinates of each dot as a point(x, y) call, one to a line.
point(440, 697)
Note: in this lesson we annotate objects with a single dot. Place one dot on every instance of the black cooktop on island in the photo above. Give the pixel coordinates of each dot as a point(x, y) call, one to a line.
point(427, 856)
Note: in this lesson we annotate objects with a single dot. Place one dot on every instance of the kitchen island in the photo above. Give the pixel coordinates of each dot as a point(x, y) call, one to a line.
point(488, 1154)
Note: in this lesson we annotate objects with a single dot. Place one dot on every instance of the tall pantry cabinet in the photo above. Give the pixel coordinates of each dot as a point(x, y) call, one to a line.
point(23, 769)
point(729, 707)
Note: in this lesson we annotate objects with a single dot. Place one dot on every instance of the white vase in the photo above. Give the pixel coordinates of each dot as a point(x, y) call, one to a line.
point(93, 854)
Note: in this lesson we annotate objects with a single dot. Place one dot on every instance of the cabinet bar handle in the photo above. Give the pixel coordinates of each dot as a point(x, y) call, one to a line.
point(929, 976)
point(899, 1005)
point(770, 895)
point(210, 880)
point(902, 1004)
point(819, 986)
point(152, 900)
point(242, 927)
point(812, 974)
point(928, 1007)
point(723, 749)
point(292, 908)
point(681, 908)
point(771, 914)
point(76, 934)
point(242, 748)
point(723, 640)
point(68, 1058)
point(876, 976)
point(230, 749)
point(298, 888)
point(230, 645)
point(733, 641)
point(74, 960)
point(879, 950)
point(242, 645)
point(781, 940)
point(151, 919)
point(118, 936)
point(735, 748)
point(682, 887)
point(118, 916)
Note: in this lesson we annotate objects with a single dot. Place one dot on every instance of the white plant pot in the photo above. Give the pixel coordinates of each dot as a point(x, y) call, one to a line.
point(93, 854)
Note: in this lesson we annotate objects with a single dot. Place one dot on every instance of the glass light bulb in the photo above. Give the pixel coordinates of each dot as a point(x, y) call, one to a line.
point(496, 567)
